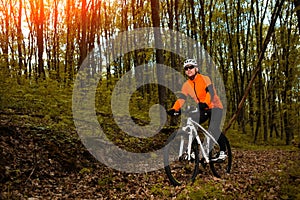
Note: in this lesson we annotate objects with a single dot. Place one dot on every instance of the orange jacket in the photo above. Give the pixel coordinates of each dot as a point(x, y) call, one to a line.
point(200, 90)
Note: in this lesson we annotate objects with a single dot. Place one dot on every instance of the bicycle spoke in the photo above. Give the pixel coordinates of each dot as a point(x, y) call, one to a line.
point(221, 167)
point(180, 170)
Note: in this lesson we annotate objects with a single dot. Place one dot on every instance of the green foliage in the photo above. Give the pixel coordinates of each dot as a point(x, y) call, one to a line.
point(46, 100)
point(205, 190)
point(160, 190)
point(290, 176)
point(105, 180)
point(85, 171)
point(245, 140)
point(103, 97)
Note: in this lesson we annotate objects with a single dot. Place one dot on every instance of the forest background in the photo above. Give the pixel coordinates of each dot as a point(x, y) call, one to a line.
point(44, 42)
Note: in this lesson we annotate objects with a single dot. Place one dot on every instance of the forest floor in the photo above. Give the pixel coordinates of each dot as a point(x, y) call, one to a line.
point(40, 163)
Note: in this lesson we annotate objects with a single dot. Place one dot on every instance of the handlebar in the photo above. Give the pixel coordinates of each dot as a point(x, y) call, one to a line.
point(188, 110)
point(191, 109)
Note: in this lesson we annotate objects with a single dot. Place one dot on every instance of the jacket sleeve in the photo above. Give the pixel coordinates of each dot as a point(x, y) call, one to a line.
point(212, 98)
point(208, 89)
point(211, 90)
point(181, 99)
point(178, 104)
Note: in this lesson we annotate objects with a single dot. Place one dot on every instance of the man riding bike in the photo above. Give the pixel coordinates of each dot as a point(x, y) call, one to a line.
point(201, 89)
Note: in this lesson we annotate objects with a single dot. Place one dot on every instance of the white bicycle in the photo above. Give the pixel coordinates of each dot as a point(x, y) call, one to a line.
point(190, 146)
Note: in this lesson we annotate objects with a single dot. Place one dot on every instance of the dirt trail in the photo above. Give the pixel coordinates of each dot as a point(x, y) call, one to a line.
point(39, 164)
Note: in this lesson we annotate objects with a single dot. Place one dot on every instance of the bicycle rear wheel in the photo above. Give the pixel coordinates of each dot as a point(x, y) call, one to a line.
point(220, 168)
point(180, 170)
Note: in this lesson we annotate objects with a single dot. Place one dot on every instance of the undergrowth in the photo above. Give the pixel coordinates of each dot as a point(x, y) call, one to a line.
point(48, 106)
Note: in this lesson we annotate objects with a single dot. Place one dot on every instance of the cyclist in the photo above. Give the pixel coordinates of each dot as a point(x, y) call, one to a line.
point(201, 89)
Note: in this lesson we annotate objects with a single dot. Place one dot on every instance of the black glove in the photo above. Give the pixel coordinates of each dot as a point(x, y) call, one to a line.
point(202, 106)
point(173, 112)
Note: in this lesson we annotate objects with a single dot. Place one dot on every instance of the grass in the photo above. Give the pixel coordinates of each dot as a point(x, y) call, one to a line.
point(205, 190)
point(290, 176)
point(245, 141)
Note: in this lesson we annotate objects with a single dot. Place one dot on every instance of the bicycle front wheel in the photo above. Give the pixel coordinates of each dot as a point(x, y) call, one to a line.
point(179, 168)
point(221, 167)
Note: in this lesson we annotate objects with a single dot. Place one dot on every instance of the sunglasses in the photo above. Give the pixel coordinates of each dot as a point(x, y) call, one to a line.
point(189, 67)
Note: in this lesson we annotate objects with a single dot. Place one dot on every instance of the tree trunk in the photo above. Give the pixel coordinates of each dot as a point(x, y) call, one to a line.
point(259, 106)
point(19, 39)
point(56, 42)
point(83, 40)
point(40, 40)
point(69, 55)
point(159, 52)
point(5, 44)
point(232, 58)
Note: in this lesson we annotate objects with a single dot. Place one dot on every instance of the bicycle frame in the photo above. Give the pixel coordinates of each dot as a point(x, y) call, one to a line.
point(194, 148)
point(191, 129)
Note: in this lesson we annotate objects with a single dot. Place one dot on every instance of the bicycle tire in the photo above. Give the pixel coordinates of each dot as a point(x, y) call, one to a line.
point(179, 170)
point(219, 169)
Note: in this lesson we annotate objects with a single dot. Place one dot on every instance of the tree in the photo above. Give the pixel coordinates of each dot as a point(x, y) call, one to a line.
point(159, 52)
point(83, 39)
point(40, 37)
point(20, 38)
point(275, 15)
point(70, 45)
point(260, 79)
point(297, 9)
point(5, 26)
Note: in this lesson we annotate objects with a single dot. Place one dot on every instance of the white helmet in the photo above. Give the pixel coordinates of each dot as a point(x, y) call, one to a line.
point(190, 62)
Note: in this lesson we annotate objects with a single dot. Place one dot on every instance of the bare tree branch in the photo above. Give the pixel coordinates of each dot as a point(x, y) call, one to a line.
point(276, 13)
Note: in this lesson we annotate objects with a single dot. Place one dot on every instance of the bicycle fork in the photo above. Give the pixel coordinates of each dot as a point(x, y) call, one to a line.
point(188, 130)
point(189, 146)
